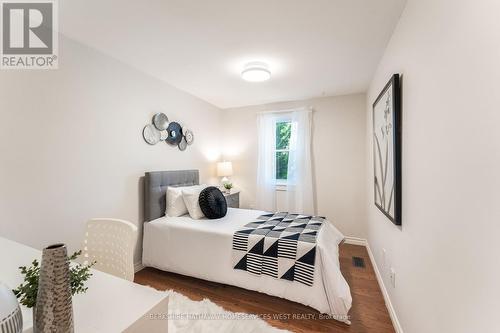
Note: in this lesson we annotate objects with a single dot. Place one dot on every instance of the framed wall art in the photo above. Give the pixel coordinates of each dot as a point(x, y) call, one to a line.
point(387, 150)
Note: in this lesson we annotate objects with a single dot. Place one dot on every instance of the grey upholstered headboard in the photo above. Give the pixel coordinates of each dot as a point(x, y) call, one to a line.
point(155, 187)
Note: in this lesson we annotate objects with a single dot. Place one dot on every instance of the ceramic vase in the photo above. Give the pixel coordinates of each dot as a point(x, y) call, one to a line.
point(54, 311)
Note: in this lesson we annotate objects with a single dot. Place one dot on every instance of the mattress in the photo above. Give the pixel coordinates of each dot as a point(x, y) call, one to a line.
point(203, 249)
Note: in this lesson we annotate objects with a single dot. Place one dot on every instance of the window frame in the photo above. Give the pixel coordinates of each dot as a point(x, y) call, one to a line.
point(280, 183)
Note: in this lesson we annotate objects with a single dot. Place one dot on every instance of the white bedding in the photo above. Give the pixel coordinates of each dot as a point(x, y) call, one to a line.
point(203, 249)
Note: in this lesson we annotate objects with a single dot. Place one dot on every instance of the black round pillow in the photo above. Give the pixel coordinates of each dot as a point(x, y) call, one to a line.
point(213, 203)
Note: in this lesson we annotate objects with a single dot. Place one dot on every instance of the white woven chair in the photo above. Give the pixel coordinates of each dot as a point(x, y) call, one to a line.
point(110, 243)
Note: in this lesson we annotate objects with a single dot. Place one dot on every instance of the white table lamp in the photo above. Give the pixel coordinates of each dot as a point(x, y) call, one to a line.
point(224, 170)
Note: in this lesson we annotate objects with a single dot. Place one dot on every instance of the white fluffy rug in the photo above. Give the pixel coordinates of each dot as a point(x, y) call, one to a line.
point(204, 316)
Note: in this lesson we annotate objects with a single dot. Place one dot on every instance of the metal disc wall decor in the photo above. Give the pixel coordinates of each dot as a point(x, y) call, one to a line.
point(174, 133)
point(151, 134)
point(188, 136)
point(160, 120)
point(163, 135)
point(170, 132)
point(183, 144)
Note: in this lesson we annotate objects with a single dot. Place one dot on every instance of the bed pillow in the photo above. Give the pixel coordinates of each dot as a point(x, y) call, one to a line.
point(212, 203)
point(191, 196)
point(175, 203)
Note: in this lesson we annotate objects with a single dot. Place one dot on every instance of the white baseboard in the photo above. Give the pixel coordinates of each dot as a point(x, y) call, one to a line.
point(388, 304)
point(355, 241)
point(138, 266)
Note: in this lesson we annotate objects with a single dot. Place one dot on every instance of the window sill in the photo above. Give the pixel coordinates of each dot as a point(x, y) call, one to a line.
point(281, 187)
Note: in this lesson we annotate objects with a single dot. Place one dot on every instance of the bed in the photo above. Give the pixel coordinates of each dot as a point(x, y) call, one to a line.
point(202, 249)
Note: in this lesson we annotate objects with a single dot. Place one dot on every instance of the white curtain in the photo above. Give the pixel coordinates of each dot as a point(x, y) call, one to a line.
point(266, 164)
point(300, 178)
point(299, 185)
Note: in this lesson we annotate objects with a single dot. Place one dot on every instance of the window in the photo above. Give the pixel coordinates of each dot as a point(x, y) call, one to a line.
point(282, 135)
point(284, 161)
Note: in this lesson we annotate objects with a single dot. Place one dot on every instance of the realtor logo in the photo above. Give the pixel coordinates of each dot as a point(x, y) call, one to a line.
point(29, 34)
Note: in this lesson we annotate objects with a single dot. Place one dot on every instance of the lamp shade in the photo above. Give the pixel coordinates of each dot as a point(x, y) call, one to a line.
point(224, 169)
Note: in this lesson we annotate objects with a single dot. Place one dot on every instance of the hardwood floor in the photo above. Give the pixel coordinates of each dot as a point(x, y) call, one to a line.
point(368, 312)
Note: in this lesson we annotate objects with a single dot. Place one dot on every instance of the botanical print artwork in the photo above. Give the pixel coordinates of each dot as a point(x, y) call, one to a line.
point(387, 150)
point(383, 153)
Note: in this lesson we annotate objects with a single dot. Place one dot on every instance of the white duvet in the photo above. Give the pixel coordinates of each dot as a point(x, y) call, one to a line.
point(203, 249)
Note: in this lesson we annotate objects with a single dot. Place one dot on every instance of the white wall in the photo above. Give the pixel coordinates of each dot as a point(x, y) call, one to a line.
point(338, 156)
point(71, 144)
point(446, 253)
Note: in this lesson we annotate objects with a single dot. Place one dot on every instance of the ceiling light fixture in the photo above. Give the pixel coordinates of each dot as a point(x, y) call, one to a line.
point(256, 72)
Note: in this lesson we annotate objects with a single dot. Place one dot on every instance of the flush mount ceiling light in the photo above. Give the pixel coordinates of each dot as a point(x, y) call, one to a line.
point(256, 72)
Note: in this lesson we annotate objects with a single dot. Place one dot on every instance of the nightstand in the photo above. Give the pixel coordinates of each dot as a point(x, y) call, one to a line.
point(233, 199)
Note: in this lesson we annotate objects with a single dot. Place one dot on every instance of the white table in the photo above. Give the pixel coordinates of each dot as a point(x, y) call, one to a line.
point(110, 304)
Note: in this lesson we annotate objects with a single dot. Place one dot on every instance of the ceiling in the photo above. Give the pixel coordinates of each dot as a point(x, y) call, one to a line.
point(313, 47)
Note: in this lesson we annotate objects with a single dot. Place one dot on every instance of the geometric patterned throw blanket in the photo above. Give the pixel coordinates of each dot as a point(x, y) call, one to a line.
point(280, 245)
